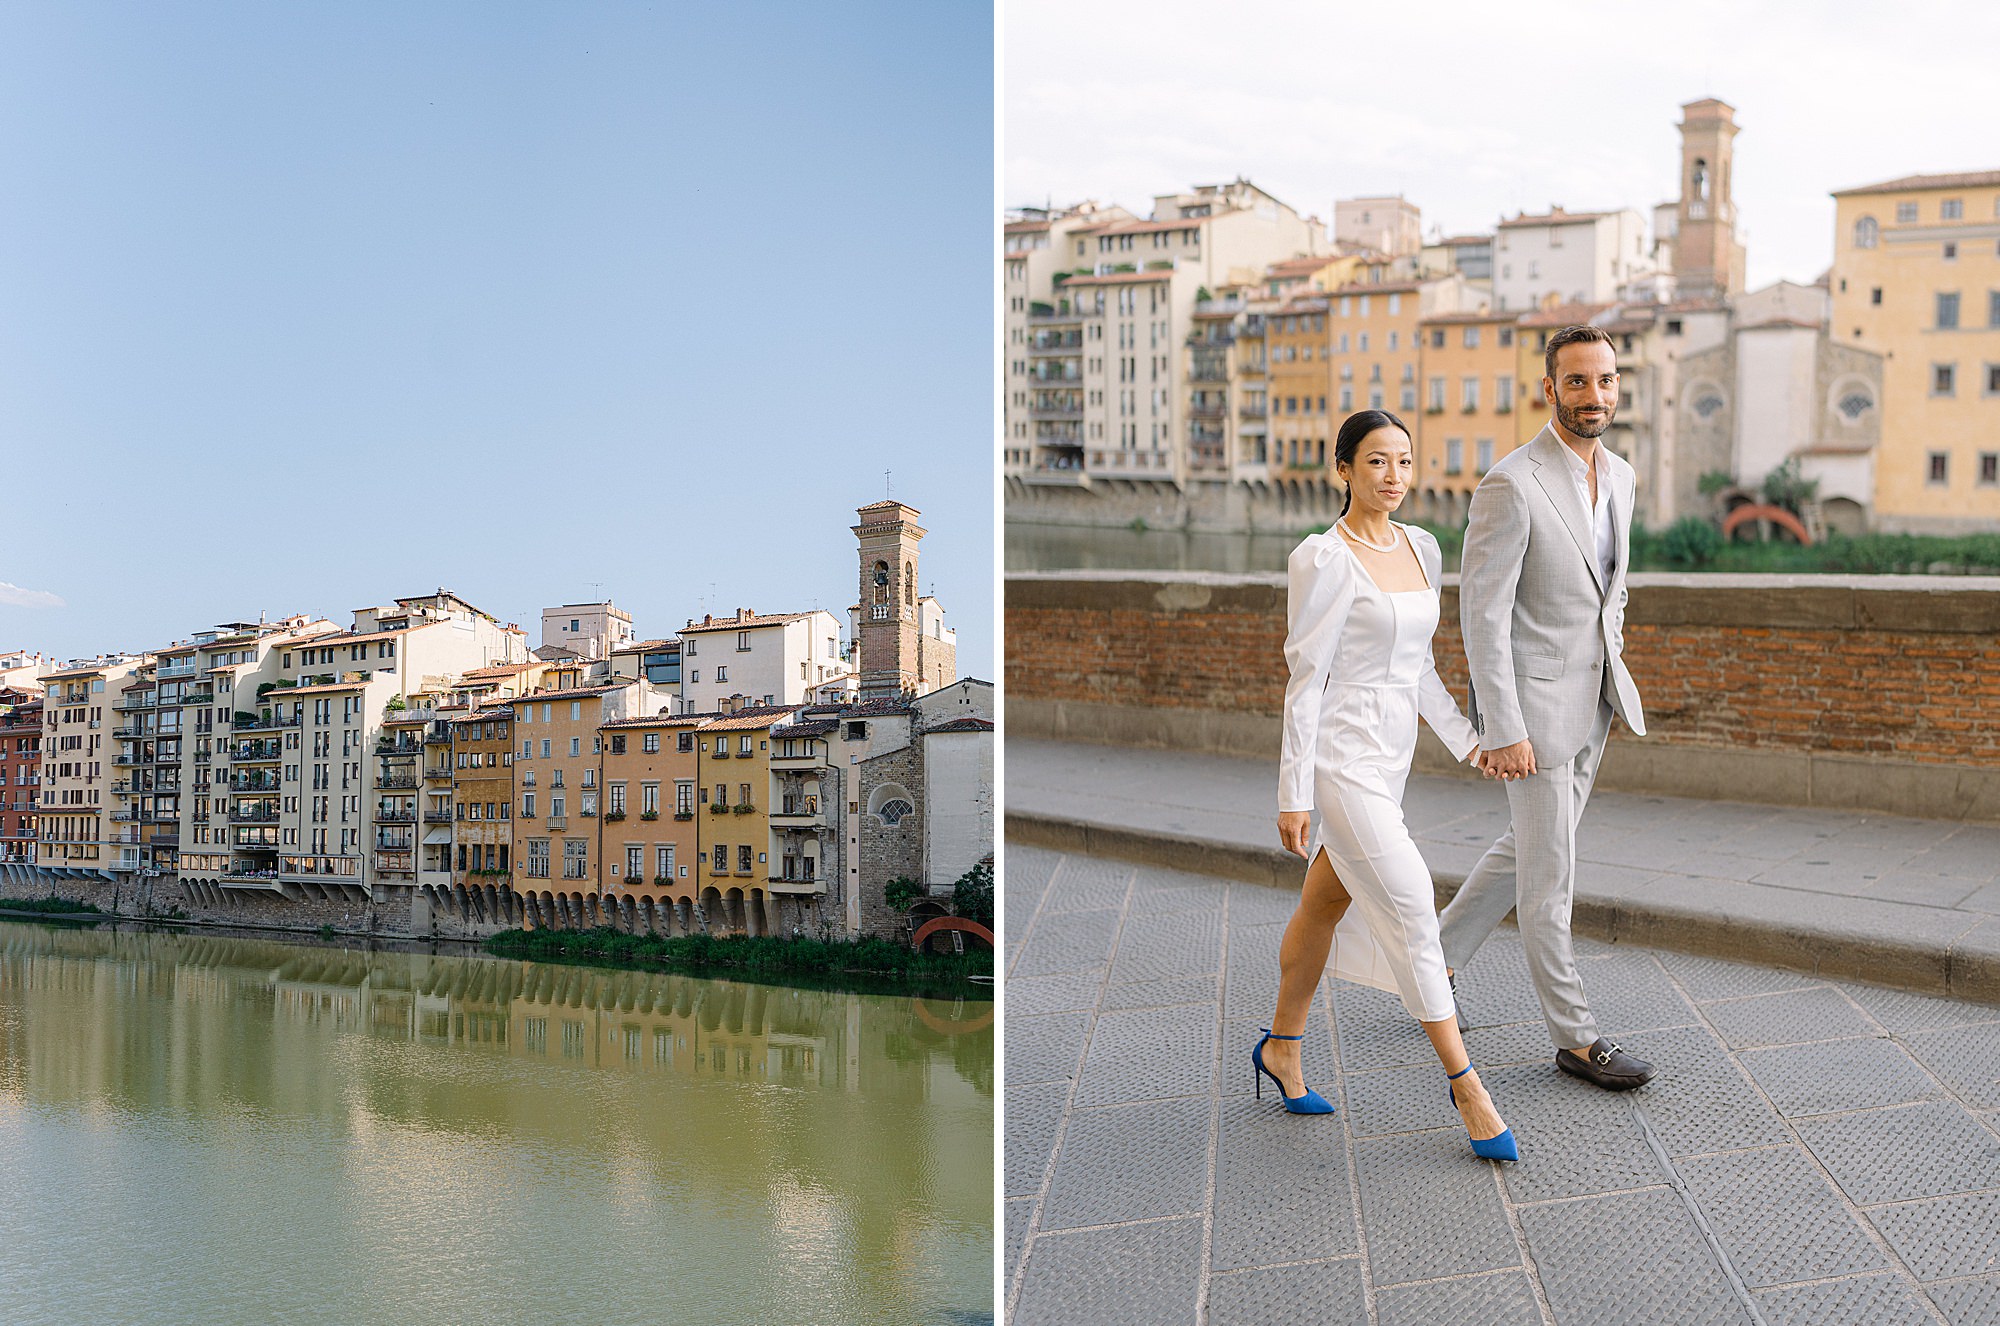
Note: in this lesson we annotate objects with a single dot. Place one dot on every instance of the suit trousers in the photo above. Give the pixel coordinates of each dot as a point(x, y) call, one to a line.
point(1531, 870)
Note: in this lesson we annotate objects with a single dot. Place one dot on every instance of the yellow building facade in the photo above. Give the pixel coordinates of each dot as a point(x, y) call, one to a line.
point(1916, 277)
point(652, 834)
point(734, 799)
point(1297, 371)
point(1468, 368)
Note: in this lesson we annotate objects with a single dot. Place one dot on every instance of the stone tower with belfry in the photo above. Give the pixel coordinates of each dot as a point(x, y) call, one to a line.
point(1708, 260)
point(901, 644)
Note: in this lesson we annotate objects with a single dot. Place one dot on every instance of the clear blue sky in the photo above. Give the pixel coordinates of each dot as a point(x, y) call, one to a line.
point(306, 307)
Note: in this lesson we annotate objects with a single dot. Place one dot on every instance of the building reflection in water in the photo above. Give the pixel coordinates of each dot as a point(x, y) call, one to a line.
point(848, 1138)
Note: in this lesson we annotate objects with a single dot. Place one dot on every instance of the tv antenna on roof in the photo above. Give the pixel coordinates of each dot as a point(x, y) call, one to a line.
point(888, 492)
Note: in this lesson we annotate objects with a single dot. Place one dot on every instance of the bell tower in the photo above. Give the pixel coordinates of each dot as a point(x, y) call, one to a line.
point(1708, 260)
point(887, 622)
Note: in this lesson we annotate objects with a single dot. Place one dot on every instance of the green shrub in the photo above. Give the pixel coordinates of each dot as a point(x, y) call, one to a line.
point(902, 893)
point(1690, 542)
point(972, 895)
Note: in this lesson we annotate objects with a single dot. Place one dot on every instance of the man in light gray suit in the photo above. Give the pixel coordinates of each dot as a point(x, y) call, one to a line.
point(1542, 606)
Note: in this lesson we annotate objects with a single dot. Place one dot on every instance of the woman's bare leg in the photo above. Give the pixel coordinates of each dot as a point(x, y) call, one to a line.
point(1301, 961)
point(1482, 1120)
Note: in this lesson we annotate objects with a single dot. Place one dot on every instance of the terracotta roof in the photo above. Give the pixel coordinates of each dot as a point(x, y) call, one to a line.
point(1484, 315)
point(871, 708)
point(1465, 239)
point(750, 719)
point(743, 623)
point(330, 686)
point(1564, 315)
point(961, 725)
point(1385, 288)
point(497, 670)
point(1308, 264)
point(482, 715)
point(1978, 179)
point(91, 671)
point(645, 645)
point(817, 727)
point(1150, 227)
point(1810, 324)
point(573, 693)
point(1121, 278)
point(1555, 216)
point(658, 720)
point(1024, 227)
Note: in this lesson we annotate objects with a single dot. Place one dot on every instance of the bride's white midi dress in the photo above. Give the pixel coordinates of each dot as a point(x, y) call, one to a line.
point(1361, 676)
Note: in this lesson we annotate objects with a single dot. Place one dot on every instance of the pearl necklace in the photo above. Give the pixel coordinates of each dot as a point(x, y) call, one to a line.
point(1366, 543)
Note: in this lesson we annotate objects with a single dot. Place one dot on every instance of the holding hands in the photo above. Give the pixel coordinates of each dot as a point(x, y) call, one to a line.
point(1293, 827)
point(1508, 762)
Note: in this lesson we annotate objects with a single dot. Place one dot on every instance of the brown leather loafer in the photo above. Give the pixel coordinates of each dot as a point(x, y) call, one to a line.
point(1605, 1065)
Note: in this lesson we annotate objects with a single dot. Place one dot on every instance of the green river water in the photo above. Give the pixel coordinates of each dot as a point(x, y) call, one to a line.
point(204, 1130)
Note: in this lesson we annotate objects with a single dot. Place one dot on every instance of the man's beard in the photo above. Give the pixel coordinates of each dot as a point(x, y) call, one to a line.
point(1578, 426)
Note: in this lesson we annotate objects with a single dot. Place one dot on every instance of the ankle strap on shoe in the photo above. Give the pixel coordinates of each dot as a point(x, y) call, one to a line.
point(1274, 1036)
point(1460, 1073)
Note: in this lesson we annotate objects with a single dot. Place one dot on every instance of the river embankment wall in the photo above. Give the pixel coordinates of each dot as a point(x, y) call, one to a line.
point(388, 913)
point(1847, 692)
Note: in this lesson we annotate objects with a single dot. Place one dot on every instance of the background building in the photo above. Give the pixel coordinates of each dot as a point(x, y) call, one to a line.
point(757, 660)
point(1915, 280)
point(587, 630)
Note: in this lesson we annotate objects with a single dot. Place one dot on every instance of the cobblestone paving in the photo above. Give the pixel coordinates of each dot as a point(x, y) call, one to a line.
point(1812, 1153)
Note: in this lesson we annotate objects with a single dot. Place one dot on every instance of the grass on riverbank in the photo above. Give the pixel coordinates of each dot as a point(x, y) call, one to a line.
point(1839, 554)
point(49, 906)
point(874, 963)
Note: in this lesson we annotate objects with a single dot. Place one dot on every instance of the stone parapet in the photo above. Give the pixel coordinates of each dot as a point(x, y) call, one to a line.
point(1863, 692)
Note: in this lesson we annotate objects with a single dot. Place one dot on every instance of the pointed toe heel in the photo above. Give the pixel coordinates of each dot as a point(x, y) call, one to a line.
point(1499, 1147)
point(1309, 1102)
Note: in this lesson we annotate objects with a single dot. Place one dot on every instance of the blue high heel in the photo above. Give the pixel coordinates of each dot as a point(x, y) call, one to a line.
point(1487, 1148)
point(1309, 1103)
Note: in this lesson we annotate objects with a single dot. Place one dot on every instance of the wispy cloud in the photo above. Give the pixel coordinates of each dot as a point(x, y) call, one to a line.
point(13, 596)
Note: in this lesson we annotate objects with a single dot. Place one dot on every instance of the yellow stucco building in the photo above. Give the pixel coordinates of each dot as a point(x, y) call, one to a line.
point(1467, 364)
point(1916, 277)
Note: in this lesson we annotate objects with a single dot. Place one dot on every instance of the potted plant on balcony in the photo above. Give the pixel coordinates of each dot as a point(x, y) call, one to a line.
point(717, 808)
point(649, 814)
point(683, 814)
point(744, 809)
point(613, 816)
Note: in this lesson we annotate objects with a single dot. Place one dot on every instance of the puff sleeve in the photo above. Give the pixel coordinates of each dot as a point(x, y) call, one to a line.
point(1319, 593)
point(1434, 700)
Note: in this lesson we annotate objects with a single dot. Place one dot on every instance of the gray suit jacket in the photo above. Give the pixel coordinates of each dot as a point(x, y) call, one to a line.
point(1544, 638)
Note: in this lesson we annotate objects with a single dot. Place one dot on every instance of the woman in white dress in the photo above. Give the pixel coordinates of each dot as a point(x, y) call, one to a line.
point(1363, 606)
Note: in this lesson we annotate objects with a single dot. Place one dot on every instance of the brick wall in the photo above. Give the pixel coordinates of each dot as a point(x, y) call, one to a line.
point(1804, 689)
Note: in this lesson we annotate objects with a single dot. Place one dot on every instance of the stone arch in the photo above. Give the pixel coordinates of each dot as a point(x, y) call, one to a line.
point(732, 905)
point(890, 804)
point(1852, 399)
point(1845, 515)
point(1706, 398)
point(1762, 511)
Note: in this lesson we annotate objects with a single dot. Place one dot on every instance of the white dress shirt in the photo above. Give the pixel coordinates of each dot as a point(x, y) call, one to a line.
point(1607, 551)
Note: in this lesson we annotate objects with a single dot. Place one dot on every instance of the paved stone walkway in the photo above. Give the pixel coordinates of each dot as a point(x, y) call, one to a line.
point(1813, 1153)
point(1882, 898)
